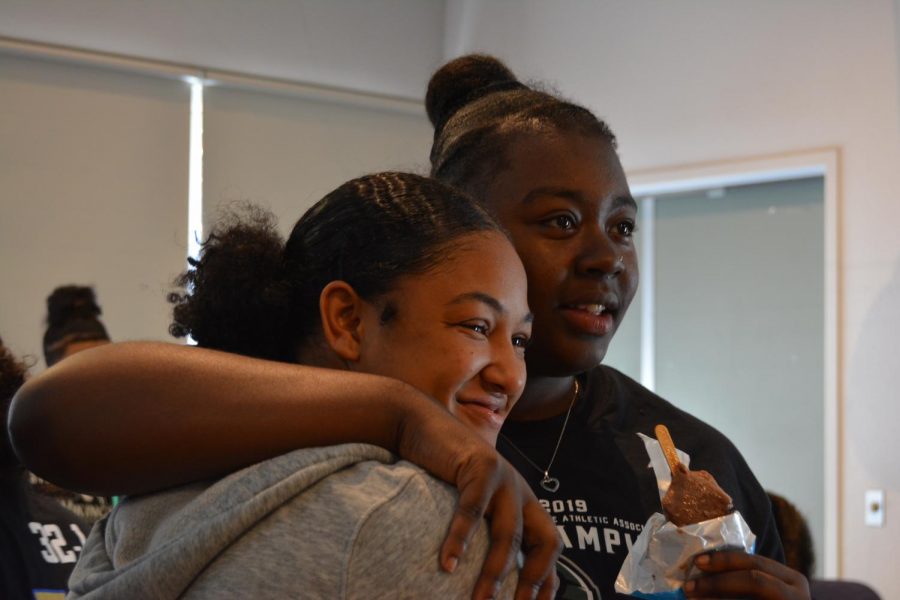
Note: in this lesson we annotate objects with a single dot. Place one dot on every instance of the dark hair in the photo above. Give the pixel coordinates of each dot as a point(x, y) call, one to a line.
point(72, 316)
point(477, 107)
point(250, 293)
point(12, 376)
point(795, 536)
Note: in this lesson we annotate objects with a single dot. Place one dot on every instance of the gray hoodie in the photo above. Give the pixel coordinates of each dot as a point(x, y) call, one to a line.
point(345, 521)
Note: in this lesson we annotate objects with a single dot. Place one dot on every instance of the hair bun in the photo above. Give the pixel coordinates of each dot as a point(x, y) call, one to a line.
point(462, 81)
point(233, 298)
point(71, 302)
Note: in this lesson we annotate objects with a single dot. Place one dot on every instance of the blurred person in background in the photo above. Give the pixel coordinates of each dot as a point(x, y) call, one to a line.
point(73, 325)
point(800, 556)
point(39, 539)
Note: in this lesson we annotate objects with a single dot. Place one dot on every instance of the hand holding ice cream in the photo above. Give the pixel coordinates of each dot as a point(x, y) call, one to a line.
point(699, 518)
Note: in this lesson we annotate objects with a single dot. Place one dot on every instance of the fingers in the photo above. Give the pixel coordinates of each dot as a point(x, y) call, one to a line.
point(741, 575)
point(515, 517)
point(506, 539)
point(478, 483)
point(487, 485)
point(551, 584)
point(490, 487)
point(543, 546)
point(736, 584)
point(465, 520)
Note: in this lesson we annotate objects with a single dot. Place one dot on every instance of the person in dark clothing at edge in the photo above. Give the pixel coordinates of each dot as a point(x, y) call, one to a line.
point(800, 555)
point(73, 325)
point(39, 539)
point(549, 171)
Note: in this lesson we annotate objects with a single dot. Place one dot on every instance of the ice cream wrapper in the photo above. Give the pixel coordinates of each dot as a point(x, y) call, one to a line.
point(661, 558)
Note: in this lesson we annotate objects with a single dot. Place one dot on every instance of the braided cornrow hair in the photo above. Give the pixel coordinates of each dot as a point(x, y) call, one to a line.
point(477, 107)
point(251, 293)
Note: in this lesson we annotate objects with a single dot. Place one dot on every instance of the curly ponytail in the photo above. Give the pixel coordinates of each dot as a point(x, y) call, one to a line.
point(235, 298)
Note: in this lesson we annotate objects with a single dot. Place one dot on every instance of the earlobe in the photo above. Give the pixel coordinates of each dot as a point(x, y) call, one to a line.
point(340, 308)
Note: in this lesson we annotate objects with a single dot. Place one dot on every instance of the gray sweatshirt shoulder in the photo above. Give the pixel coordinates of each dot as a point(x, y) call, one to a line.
point(344, 521)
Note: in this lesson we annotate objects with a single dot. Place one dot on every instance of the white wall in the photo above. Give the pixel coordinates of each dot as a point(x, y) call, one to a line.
point(383, 46)
point(705, 80)
point(285, 152)
point(93, 190)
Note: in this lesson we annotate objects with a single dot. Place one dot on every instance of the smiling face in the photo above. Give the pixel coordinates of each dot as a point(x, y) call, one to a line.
point(457, 332)
point(565, 201)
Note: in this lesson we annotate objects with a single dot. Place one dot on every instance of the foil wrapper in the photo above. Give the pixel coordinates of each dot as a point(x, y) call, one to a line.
point(661, 559)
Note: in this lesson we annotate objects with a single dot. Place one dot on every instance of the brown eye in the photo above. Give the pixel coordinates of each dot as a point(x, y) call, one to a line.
point(479, 327)
point(626, 228)
point(563, 222)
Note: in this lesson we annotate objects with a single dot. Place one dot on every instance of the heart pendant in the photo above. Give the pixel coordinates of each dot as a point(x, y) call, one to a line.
point(551, 484)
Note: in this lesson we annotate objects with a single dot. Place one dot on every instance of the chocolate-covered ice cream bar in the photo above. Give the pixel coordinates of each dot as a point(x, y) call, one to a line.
point(693, 496)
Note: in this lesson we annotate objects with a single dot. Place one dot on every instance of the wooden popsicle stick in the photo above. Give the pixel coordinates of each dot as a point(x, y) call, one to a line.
point(668, 447)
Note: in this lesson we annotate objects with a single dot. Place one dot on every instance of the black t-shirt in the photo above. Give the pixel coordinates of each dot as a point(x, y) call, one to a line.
point(607, 490)
point(39, 541)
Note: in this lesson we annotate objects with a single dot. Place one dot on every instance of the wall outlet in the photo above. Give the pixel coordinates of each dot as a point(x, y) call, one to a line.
point(875, 508)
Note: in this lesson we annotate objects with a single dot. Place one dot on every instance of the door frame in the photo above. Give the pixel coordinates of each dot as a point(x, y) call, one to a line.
point(821, 162)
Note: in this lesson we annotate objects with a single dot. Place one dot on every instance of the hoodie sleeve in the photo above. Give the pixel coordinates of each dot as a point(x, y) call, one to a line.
point(395, 551)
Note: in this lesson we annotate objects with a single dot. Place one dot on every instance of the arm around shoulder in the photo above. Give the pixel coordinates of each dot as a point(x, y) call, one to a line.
point(123, 418)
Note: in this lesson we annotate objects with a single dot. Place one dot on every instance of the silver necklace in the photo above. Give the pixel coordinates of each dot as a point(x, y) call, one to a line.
point(551, 484)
